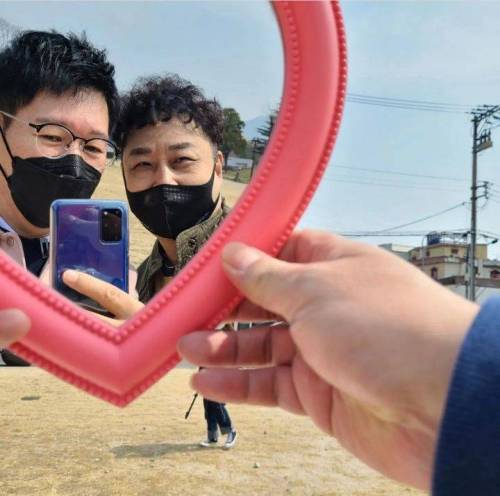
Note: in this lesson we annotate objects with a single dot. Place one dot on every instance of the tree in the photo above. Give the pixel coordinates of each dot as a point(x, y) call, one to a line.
point(7, 32)
point(259, 143)
point(233, 140)
point(266, 130)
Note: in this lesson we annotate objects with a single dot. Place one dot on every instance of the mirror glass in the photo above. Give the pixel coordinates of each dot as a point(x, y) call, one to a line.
point(232, 51)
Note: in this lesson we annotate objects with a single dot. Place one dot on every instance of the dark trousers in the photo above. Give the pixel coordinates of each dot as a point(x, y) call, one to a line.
point(217, 417)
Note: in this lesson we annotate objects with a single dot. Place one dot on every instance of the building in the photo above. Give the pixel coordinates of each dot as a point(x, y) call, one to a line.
point(402, 251)
point(443, 256)
point(238, 163)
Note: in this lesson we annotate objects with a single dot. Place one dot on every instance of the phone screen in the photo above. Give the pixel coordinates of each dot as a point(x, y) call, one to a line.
point(90, 236)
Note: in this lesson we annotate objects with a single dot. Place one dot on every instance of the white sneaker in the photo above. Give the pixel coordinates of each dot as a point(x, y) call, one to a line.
point(207, 443)
point(230, 440)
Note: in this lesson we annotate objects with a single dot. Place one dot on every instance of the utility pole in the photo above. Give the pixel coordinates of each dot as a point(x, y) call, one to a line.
point(256, 144)
point(481, 140)
point(473, 221)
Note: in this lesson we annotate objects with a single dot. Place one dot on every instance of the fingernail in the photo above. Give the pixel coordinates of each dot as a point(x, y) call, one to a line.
point(70, 275)
point(13, 319)
point(237, 257)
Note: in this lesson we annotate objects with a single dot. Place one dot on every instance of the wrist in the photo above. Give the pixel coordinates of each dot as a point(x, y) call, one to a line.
point(443, 351)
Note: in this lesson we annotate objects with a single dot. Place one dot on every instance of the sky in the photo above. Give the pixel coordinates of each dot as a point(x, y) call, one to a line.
point(231, 49)
point(441, 51)
point(437, 51)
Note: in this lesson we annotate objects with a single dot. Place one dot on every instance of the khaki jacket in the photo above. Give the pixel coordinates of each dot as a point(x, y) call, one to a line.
point(188, 243)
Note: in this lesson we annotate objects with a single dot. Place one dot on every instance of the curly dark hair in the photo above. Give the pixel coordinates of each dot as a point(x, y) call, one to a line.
point(36, 61)
point(159, 98)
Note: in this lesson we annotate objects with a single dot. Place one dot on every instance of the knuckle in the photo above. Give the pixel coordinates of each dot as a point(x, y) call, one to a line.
point(111, 295)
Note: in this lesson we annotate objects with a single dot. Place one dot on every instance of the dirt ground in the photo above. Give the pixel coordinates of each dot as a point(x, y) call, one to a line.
point(58, 441)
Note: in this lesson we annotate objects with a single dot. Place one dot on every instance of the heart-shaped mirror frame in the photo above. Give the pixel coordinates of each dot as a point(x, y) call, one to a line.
point(118, 364)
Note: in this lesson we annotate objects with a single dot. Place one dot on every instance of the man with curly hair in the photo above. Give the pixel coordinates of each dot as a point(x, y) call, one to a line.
point(170, 136)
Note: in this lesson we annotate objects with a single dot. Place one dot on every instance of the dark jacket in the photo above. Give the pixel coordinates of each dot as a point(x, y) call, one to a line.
point(468, 452)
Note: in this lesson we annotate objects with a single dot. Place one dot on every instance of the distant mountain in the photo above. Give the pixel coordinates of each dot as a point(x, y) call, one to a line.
point(251, 127)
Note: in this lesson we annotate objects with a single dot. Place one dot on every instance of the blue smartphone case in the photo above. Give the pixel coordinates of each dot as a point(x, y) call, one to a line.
point(76, 243)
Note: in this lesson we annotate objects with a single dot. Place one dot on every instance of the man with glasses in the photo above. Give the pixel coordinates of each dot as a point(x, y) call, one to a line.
point(58, 106)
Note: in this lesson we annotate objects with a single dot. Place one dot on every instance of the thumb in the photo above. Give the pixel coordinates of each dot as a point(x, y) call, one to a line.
point(13, 325)
point(264, 280)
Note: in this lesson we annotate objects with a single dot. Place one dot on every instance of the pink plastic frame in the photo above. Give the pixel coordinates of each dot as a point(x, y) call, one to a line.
point(118, 365)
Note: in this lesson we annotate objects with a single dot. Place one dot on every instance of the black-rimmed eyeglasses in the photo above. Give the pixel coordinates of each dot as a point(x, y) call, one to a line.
point(55, 141)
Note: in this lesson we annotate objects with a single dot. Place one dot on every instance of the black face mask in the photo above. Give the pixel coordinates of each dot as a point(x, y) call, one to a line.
point(167, 210)
point(36, 182)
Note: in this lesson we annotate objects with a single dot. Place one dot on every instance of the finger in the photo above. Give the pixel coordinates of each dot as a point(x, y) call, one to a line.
point(247, 311)
point(315, 395)
point(116, 301)
point(14, 324)
point(266, 281)
point(267, 277)
point(267, 387)
point(109, 320)
point(249, 348)
point(309, 246)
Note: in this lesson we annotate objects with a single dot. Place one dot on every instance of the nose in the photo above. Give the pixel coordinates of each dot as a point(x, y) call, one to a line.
point(164, 175)
point(76, 147)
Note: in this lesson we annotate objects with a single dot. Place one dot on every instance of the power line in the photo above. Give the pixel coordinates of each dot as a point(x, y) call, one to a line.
point(368, 234)
point(383, 235)
point(407, 101)
point(412, 234)
point(408, 104)
point(422, 219)
point(406, 107)
point(491, 233)
point(399, 173)
point(389, 185)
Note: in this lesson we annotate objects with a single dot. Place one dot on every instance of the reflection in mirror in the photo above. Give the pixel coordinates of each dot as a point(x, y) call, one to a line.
point(199, 85)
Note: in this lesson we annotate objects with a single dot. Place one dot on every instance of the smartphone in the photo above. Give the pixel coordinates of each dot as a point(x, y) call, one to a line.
point(89, 236)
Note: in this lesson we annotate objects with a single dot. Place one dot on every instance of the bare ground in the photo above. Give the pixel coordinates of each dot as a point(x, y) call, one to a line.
point(58, 441)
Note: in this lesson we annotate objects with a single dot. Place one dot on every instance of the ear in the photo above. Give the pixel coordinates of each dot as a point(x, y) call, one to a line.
point(219, 163)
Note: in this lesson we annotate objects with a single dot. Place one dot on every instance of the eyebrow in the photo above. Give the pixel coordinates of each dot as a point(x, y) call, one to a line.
point(180, 146)
point(144, 150)
point(140, 150)
point(51, 120)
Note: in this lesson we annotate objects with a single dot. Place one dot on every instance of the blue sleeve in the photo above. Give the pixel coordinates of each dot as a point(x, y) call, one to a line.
point(467, 458)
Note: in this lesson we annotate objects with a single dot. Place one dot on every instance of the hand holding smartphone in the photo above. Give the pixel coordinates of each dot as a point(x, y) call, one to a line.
point(89, 236)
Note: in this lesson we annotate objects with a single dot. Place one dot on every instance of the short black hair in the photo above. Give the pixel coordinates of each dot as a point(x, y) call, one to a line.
point(159, 98)
point(36, 61)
